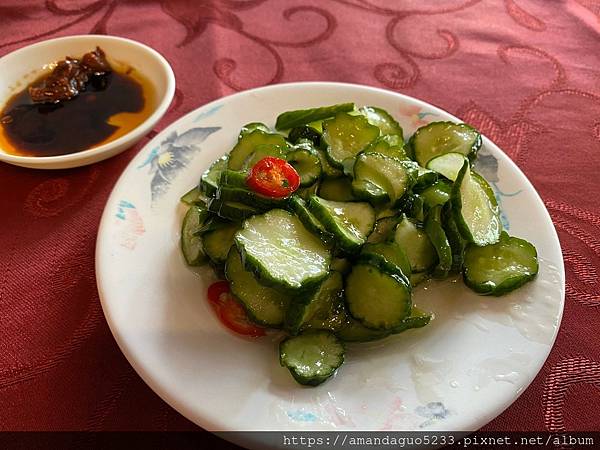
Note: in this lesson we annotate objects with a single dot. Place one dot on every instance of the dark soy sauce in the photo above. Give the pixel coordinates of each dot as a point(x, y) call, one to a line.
point(92, 118)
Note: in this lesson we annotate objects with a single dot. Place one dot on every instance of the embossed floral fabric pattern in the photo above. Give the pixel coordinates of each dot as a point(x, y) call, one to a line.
point(525, 72)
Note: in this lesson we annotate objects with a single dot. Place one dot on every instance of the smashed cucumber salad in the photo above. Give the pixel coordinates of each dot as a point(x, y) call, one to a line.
point(323, 227)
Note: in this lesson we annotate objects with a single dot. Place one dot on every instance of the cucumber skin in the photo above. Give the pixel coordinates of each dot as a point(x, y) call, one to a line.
point(305, 132)
point(368, 192)
point(233, 178)
point(456, 203)
point(227, 211)
point(297, 118)
point(297, 205)
point(250, 198)
point(369, 255)
point(437, 236)
point(202, 258)
point(501, 289)
point(456, 241)
point(192, 197)
point(208, 186)
point(383, 229)
point(252, 126)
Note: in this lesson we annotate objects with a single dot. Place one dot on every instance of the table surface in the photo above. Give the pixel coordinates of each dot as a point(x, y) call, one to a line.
point(525, 72)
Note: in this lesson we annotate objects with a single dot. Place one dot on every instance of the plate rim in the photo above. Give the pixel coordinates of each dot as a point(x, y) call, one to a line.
point(217, 426)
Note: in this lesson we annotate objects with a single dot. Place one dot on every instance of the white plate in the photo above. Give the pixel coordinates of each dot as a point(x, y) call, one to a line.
point(458, 373)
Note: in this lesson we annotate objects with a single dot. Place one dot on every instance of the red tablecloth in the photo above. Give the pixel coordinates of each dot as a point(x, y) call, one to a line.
point(525, 72)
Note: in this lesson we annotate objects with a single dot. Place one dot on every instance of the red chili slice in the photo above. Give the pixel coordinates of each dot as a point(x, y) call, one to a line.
point(273, 177)
point(230, 312)
point(216, 291)
point(234, 317)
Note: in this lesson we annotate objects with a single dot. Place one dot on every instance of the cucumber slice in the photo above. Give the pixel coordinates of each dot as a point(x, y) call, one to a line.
point(328, 170)
point(292, 119)
point(388, 256)
point(365, 190)
point(447, 165)
point(252, 126)
point(192, 197)
point(262, 151)
point(324, 310)
point(218, 242)
point(500, 268)
point(191, 245)
point(437, 194)
point(312, 357)
point(281, 251)
point(234, 178)
point(391, 146)
point(310, 222)
point(382, 120)
point(346, 136)
point(377, 299)
point(305, 133)
point(307, 164)
point(349, 222)
point(437, 236)
point(337, 189)
point(354, 331)
point(247, 144)
point(212, 223)
point(250, 198)
point(416, 244)
point(384, 228)
point(457, 243)
point(332, 318)
point(475, 208)
point(425, 178)
point(209, 181)
point(414, 207)
point(389, 175)
point(230, 210)
point(417, 319)
point(438, 138)
point(264, 305)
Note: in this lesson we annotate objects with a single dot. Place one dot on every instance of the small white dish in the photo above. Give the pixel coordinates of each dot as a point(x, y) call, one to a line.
point(21, 67)
point(458, 373)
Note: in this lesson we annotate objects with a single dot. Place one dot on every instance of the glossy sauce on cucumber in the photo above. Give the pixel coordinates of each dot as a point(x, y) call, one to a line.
point(337, 259)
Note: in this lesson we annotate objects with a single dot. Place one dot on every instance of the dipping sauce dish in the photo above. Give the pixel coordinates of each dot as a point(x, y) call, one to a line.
point(111, 112)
